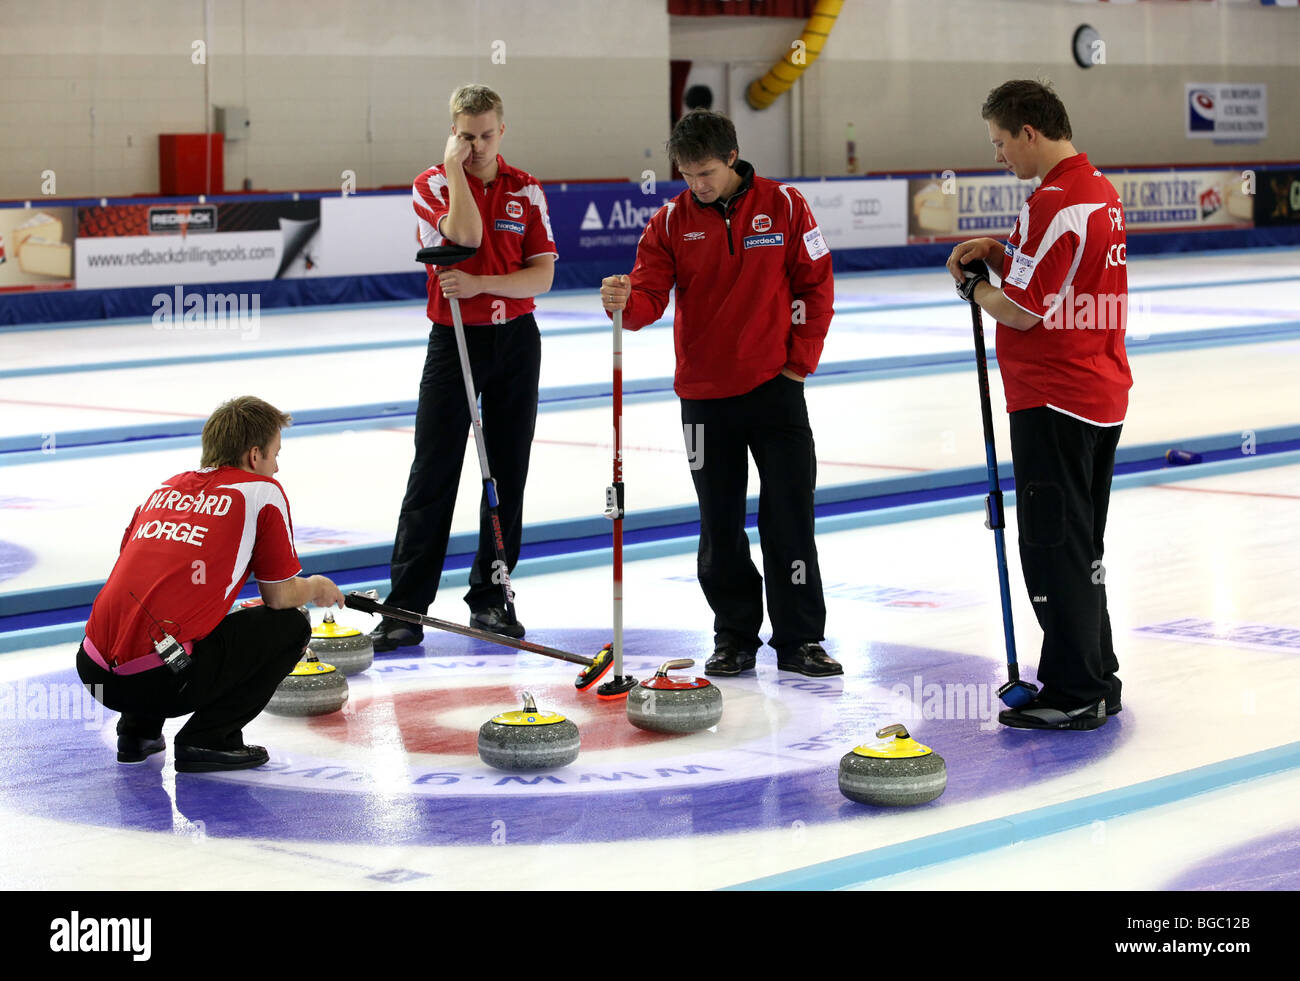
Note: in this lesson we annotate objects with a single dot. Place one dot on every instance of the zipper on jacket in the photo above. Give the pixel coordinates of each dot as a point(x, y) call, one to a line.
point(727, 219)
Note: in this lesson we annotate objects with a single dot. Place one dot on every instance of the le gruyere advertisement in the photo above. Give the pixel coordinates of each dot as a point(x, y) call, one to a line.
point(951, 208)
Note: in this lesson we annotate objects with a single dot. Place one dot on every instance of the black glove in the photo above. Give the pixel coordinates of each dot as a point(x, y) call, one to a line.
point(976, 272)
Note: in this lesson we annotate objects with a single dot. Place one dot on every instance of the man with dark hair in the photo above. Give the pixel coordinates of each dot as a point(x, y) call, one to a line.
point(161, 641)
point(473, 198)
point(1060, 346)
point(751, 277)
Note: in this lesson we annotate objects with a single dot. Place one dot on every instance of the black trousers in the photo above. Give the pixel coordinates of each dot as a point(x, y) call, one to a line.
point(233, 673)
point(772, 423)
point(1063, 468)
point(505, 361)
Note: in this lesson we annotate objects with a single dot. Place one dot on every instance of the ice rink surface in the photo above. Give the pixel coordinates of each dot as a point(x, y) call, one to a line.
point(1193, 786)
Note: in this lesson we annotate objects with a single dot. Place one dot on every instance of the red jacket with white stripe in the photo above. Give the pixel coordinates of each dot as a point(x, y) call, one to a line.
point(516, 227)
point(186, 555)
point(1066, 263)
point(751, 282)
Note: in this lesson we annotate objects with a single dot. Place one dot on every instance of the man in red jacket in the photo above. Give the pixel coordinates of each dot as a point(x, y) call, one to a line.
point(473, 198)
point(751, 279)
point(1061, 316)
point(161, 641)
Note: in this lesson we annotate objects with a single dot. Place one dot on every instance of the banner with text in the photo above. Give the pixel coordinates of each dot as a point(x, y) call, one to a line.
point(954, 208)
point(1277, 198)
point(152, 245)
point(600, 222)
point(1226, 111)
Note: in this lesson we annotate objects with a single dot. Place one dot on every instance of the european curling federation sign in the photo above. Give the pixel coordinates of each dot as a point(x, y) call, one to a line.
point(1226, 111)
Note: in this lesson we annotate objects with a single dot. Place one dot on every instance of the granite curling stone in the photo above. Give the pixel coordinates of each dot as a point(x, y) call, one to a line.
point(674, 704)
point(347, 648)
point(897, 773)
point(311, 688)
point(528, 739)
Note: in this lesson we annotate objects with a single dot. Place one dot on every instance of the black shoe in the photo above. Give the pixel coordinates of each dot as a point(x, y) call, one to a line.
point(196, 759)
point(810, 660)
point(728, 661)
point(1036, 715)
point(392, 634)
point(137, 749)
point(495, 620)
point(1113, 706)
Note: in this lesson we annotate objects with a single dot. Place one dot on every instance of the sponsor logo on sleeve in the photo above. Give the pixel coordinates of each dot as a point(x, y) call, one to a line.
point(758, 241)
point(1022, 269)
point(815, 245)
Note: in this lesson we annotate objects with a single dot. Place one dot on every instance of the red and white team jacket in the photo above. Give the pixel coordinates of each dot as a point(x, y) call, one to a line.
point(753, 289)
point(1066, 263)
point(186, 555)
point(516, 228)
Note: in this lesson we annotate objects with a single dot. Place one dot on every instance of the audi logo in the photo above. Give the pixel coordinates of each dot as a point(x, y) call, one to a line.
point(866, 206)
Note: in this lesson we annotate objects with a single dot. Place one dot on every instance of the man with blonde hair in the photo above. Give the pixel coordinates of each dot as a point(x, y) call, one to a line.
point(161, 641)
point(473, 198)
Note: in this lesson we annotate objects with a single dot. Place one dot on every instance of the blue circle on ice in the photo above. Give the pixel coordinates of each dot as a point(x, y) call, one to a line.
point(14, 560)
point(1271, 862)
point(771, 761)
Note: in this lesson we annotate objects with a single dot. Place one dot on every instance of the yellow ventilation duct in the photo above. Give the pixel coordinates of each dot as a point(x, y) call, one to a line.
point(764, 91)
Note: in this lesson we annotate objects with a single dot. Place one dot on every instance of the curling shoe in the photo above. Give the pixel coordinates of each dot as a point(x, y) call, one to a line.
point(1037, 715)
point(810, 660)
point(728, 661)
point(197, 759)
point(392, 634)
point(137, 749)
point(496, 620)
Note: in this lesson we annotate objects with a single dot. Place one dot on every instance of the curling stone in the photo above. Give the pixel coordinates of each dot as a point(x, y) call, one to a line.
point(347, 648)
point(897, 773)
point(528, 740)
point(667, 704)
point(311, 688)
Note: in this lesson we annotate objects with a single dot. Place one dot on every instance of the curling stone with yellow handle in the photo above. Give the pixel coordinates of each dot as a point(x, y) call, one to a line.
point(347, 648)
point(528, 739)
point(311, 688)
point(898, 772)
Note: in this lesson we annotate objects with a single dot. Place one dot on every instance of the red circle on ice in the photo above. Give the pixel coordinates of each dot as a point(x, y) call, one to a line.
point(416, 715)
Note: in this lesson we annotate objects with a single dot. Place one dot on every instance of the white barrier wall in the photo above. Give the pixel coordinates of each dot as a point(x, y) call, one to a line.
point(331, 86)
